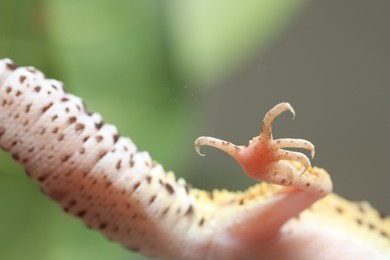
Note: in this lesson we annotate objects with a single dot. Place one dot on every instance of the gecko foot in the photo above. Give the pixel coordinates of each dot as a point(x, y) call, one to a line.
point(265, 159)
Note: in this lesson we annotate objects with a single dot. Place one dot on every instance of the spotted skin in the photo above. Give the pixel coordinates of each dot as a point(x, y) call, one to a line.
point(103, 179)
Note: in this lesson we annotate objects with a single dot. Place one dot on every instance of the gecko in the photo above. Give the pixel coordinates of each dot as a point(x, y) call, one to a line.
point(113, 187)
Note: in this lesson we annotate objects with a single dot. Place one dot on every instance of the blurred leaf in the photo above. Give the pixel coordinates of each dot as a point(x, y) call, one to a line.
point(209, 39)
point(128, 60)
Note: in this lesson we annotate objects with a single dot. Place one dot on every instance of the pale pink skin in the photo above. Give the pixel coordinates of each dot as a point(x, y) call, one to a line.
point(103, 179)
point(267, 232)
point(264, 159)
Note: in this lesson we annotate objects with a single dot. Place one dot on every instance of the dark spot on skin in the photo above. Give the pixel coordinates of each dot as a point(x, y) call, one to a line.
point(18, 93)
point(118, 165)
point(131, 162)
point(80, 127)
point(201, 222)
point(30, 149)
point(115, 138)
point(64, 99)
point(81, 213)
point(82, 150)
point(134, 216)
point(108, 184)
point(98, 125)
point(381, 214)
point(27, 108)
point(385, 234)
point(102, 225)
point(169, 188)
point(307, 184)
point(37, 89)
point(359, 221)
point(72, 203)
point(55, 130)
point(8, 90)
point(54, 86)
point(152, 199)
point(42, 178)
point(283, 181)
point(115, 229)
point(136, 185)
point(14, 143)
point(15, 156)
point(148, 179)
point(45, 108)
point(101, 155)
point(60, 137)
point(165, 211)
point(12, 66)
point(67, 109)
point(71, 120)
point(64, 158)
point(339, 210)
point(85, 139)
point(241, 201)
point(371, 226)
point(53, 118)
point(98, 138)
point(134, 249)
point(57, 195)
point(190, 211)
point(42, 131)
point(361, 209)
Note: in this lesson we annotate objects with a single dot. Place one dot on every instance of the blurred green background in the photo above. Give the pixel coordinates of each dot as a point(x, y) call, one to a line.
point(166, 72)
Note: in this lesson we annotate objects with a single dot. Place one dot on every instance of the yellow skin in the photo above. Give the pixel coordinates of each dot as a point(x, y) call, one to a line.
point(103, 179)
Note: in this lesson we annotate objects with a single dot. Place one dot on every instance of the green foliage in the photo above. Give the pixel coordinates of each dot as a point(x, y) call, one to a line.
point(139, 63)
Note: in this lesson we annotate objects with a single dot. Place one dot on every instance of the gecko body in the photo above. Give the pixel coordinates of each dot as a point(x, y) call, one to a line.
point(103, 179)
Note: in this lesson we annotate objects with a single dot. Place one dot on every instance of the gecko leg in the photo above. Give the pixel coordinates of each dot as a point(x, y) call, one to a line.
point(264, 158)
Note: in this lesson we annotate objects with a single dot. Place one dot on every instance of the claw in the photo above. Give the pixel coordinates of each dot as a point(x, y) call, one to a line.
point(266, 129)
point(264, 158)
point(223, 145)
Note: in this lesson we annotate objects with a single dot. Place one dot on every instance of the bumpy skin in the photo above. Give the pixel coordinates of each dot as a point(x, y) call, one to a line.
point(104, 180)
